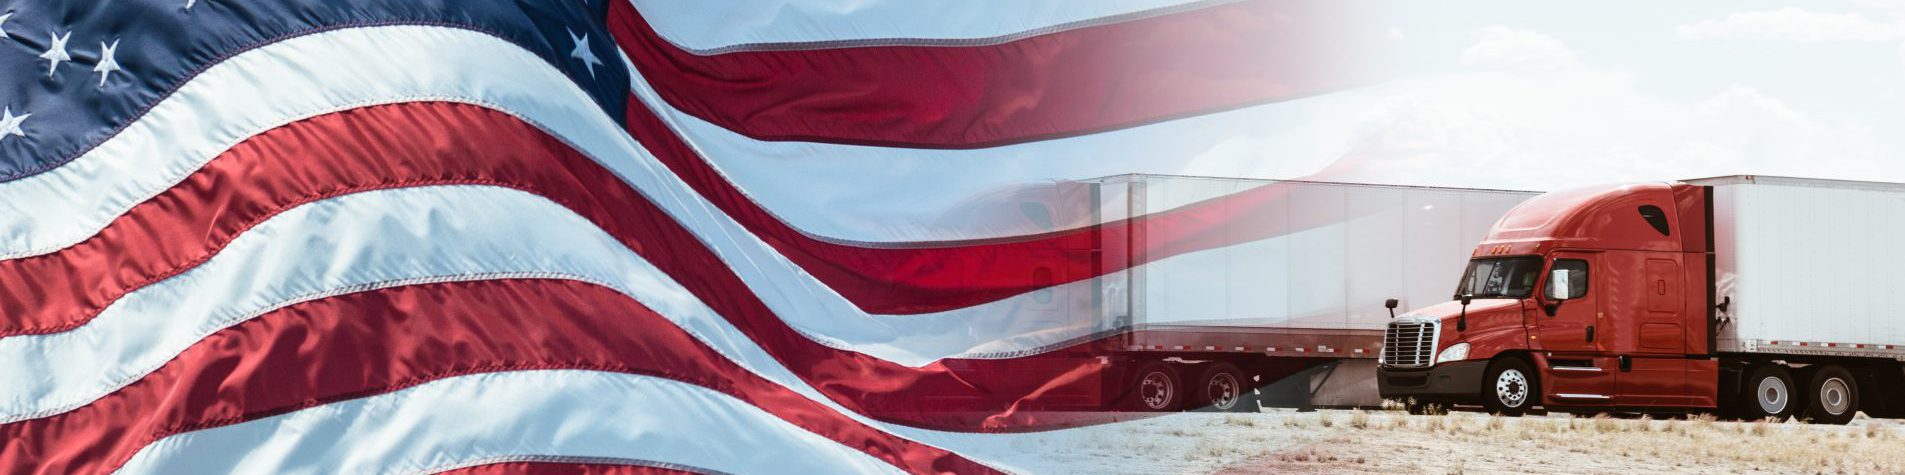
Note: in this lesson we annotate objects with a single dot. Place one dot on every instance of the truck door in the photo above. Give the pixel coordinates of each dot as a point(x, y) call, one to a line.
point(1571, 329)
point(1573, 338)
point(1654, 350)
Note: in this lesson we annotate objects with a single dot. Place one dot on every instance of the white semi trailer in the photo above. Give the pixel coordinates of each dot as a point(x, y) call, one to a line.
point(1221, 285)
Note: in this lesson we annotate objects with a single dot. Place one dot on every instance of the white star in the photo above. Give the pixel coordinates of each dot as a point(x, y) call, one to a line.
point(10, 124)
point(3, 25)
point(583, 52)
point(189, 3)
point(57, 53)
point(108, 62)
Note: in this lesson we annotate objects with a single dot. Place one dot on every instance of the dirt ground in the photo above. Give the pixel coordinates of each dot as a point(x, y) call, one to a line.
point(1386, 442)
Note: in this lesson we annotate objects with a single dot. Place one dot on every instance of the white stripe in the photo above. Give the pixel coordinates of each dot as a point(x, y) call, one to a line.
point(900, 195)
point(468, 420)
point(272, 444)
point(712, 27)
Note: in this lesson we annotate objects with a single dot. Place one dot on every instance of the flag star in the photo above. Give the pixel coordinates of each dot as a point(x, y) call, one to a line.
point(10, 124)
point(583, 52)
point(108, 61)
point(57, 53)
point(3, 25)
point(189, 3)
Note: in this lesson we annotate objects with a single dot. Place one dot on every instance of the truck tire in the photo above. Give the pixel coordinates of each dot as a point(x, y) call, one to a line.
point(1768, 393)
point(1223, 388)
point(1509, 387)
point(1156, 387)
point(1832, 397)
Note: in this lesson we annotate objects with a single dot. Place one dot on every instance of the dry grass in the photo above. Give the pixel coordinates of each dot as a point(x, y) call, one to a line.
point(1394, 442)
point(1359, 419)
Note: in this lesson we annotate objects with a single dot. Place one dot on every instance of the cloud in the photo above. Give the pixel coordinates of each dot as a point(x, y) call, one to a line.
point(1544, 130)
point(1880, 4)
point(1794, 25)
point(1530, 114)
point(1738, 100)
point(1502, 46)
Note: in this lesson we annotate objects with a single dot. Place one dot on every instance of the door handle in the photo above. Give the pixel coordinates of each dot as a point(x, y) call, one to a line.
point(1590, 333)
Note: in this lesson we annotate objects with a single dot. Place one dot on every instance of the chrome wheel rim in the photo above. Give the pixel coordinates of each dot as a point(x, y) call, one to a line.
point(1155, 390)
point(1223, 391)
point(1835, 396)
point(1772, 395)
point(1511, 388)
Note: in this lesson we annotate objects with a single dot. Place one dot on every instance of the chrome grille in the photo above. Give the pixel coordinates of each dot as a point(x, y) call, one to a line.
point(1409, 343)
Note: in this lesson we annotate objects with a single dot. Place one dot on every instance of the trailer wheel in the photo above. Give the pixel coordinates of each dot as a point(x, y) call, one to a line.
point(1833, 396)
point(1769, 393)
point(1509, 388)
point(1222, 388)
point(1156, 387)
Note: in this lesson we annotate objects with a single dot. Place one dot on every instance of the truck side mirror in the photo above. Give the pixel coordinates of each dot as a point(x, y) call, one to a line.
point(1558, 285)
point(1391, 304)
point(1461, 322)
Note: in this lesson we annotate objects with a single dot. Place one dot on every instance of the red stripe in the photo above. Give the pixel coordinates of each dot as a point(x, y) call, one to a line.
point(559, 468)
point(362, 344)
point(425, 143)
point(1060, 84)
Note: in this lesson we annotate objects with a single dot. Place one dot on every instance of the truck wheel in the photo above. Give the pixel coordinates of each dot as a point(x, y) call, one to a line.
point(1156, 388)
point(1508, 388)
point(1769, 393)
point(1222, 389)
point(1833, 396)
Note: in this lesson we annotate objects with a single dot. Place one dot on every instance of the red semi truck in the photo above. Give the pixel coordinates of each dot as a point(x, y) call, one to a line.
point(1754, 297)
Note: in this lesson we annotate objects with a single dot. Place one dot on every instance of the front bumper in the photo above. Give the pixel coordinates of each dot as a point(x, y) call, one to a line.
point(1458, 381)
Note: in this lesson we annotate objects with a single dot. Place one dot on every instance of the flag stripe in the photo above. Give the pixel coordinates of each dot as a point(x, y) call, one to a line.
point(384, 340)
point(706, 29)
point(1035, 88)
point(466, 420)
point(897, 197)
point(944, 276)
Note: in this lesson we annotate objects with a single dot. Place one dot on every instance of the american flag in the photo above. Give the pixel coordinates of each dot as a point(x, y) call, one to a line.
point(608, 235)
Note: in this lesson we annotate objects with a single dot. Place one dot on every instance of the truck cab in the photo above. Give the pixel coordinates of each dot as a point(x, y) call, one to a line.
point(1579, 300)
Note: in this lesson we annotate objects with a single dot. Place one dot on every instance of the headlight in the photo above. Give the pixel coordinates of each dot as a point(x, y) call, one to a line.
point(1455, 352)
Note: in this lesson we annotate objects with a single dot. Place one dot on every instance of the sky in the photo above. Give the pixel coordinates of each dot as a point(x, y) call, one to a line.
point(1547, 95)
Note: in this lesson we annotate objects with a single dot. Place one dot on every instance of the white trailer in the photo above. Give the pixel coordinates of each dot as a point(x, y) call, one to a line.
point(1805, 266)
point(1260, 279)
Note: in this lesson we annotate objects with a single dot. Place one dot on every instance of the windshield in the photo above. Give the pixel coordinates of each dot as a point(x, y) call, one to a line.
point(1500, 277)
